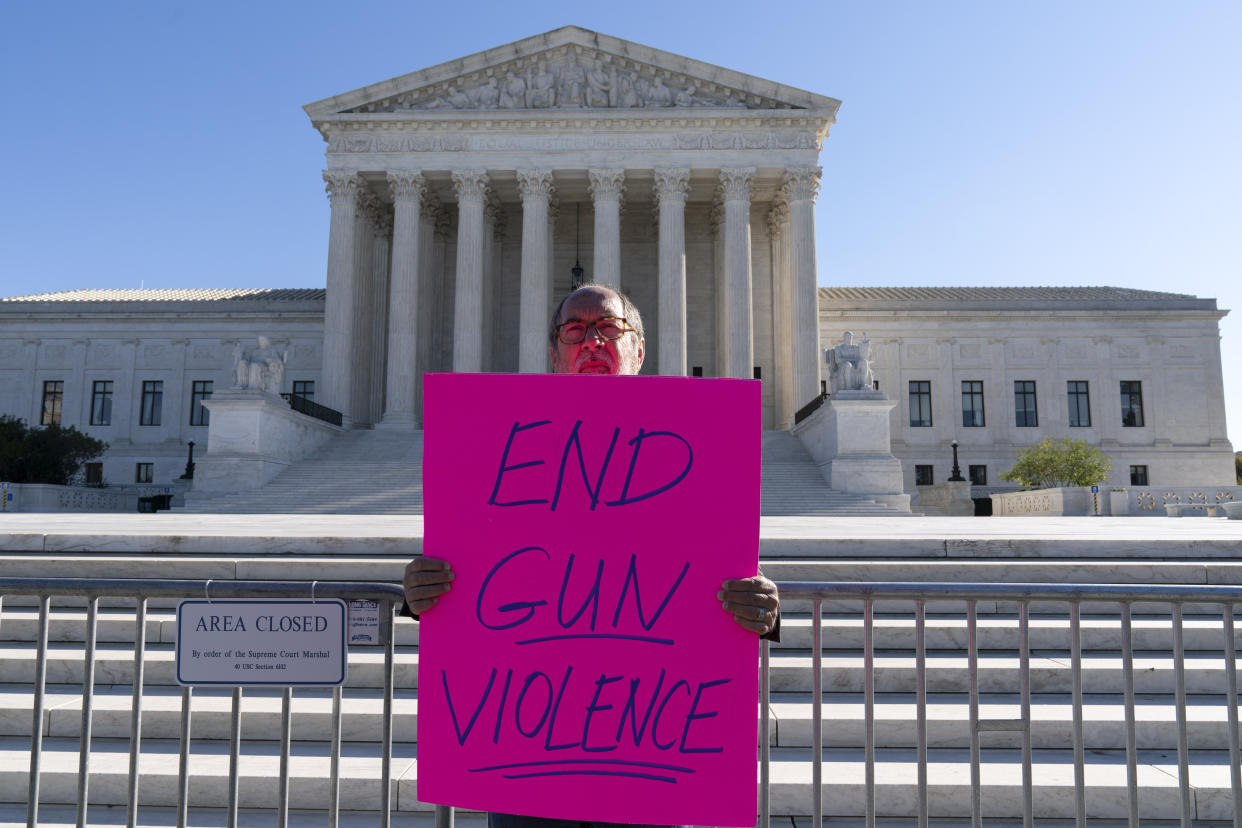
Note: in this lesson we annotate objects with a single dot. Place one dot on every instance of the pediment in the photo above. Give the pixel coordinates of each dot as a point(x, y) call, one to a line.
point(566, 70)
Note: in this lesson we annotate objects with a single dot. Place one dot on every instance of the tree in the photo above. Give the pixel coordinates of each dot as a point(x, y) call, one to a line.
point(44, 455)
point(1237, 466)
point(1055, 463)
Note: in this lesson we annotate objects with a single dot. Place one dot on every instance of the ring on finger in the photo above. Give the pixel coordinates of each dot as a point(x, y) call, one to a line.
point(763, 613)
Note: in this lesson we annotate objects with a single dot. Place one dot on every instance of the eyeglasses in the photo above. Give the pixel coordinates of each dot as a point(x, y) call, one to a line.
point(610, 328)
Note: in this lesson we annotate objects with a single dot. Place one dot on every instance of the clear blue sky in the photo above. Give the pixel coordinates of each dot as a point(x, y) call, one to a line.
point(980, 143)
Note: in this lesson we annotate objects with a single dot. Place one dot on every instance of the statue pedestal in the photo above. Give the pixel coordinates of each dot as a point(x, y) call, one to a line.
point(252, 437)
point(850, 441)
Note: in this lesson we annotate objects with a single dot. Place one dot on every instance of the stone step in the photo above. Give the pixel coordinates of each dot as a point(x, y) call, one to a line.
point(114, 664)
point(791, 717)
point(790, 669)
point(837, 632)
point(948, 720)
point(792, 793)
point(947, 672)
point(64, 816)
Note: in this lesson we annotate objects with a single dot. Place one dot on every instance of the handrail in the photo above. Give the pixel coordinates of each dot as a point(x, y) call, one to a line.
point(313, 409)
point(811, 407)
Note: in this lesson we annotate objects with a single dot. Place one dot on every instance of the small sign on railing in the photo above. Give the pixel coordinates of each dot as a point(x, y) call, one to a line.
point(249, 642)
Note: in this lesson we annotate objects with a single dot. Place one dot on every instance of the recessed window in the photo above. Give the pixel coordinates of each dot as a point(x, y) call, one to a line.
point(923, 475)
point(144, 472)
point(972, 403)
point(101, 402)
point(696, 371)
point(1024, 410)
point(152, 402)
point(53, 397)
point(1079, 403)
point(1138, 476)
point(199, 416)
point(1131, 403)
point(304, 389)
point(978, 475)
point(94, 474)
point(920, 404)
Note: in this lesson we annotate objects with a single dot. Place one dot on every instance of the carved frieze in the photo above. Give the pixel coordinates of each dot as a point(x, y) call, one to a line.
point(571, 79)
point(483, 141)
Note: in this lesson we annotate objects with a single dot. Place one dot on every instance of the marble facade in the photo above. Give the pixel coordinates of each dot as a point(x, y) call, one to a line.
point(464, 193)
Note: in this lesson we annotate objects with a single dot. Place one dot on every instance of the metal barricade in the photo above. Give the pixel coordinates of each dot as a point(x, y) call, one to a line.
point(1024, 595)
point(1124, 597)
point(141, 591)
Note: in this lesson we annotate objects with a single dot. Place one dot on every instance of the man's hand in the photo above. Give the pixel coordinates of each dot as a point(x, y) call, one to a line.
point(753, 602)
point(426, 579)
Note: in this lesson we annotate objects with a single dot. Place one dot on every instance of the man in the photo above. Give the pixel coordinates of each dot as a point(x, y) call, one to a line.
point(596, 330)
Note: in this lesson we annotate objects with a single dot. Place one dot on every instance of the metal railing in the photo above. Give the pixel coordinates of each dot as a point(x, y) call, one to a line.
point(141, 591)
point(1024, 595)
point(1124, 597)
point(313, 409)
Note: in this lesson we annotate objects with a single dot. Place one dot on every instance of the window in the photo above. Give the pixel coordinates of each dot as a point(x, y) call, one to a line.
point(696, 371)
point(758, 373)
point(920, 404)
point(152, 402)
point(1131, 404)
point(304, 389)
point(1079, 403)
point(144, 472)
point(101, 402)
point(972, 403)
point(1024, 413)
point(978, 475)
point(201, 391)
point(923, 475)
point(94, 474)
point(53, 396)
point(1138, 476)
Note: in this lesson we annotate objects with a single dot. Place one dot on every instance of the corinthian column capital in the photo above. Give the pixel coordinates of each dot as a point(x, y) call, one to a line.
point(735, 183)
point(802, 183)
point(535, 185)
point(607, 185)
point(777, 217)
point(341, 185)
point(406, 185)
point(470, 185)
point(671, 183)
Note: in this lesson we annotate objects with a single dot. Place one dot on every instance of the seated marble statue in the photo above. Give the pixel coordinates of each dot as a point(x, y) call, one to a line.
point(260, 369)
point(542, 91)
point(849, 365)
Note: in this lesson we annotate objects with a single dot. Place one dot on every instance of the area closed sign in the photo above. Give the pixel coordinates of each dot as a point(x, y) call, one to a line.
point(261, 642)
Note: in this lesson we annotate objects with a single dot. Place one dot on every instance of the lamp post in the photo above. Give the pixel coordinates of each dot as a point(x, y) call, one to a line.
point(189, 464)
point(957, 470)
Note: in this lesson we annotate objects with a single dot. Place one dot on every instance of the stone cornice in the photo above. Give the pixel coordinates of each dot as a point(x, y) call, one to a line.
point(571, 43)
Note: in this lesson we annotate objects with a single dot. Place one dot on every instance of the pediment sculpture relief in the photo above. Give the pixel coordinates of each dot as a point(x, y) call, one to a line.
point(575, 82)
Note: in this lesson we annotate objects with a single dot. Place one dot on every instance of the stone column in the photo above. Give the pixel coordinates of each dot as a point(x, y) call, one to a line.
point(782, 315)
point(428, 296)
point(471, 188)
point(671, 188)
point(607, 187)
point(487, 288)
point(338, 315)
point(536, 189)
point(801, 185)
point(364, 297)
point(407, 188)
point(716, 218)
point(495, 289)
point(381, 253)
point(739, 348)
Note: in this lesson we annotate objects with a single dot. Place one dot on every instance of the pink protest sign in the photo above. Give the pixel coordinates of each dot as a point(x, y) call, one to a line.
point(582, 667)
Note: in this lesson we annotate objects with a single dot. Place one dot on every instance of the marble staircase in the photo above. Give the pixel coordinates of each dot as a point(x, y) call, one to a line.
point(790, 716)
point(380, 472)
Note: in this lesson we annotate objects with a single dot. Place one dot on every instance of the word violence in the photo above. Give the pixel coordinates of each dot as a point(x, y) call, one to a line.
point(623, 711)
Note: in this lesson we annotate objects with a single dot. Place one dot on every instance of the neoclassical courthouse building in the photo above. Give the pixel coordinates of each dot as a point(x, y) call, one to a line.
point(466, 198)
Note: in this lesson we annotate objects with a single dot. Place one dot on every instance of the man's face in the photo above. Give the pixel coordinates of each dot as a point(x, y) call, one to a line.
point(594, 354)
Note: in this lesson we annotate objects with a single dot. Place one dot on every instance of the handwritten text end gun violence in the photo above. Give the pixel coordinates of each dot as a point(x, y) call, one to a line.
point(582, 667)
